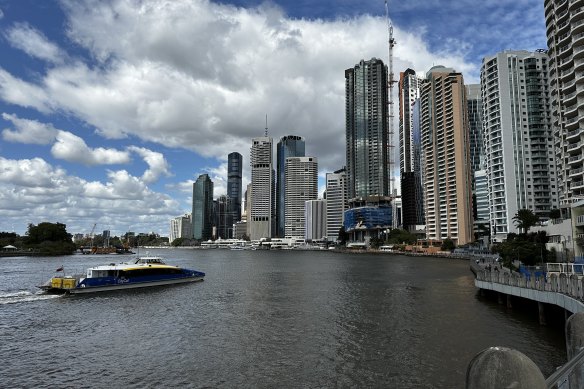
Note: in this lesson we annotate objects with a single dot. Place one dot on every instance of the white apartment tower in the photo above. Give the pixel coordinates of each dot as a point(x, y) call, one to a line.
point(181, 227)
point(520, 161)
point(336, 202)
point(301, 186)
point(261, 220)
point(565, 38)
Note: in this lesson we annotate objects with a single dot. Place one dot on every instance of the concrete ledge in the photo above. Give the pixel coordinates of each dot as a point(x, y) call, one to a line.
point(561, 300)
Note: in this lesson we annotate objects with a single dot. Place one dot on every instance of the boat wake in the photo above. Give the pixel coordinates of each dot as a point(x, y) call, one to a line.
point(24, 296)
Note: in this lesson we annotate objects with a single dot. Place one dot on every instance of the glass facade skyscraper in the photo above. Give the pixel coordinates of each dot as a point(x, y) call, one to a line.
point(202, 214)
point(288, 146)
point(234, 188)
point(410, 150)
point(367, 134)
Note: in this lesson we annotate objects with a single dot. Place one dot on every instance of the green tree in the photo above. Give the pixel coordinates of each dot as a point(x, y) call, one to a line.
point(555, 214)
point(525, 219)
point(447, 245)
point(343, 236)
point(177, 242)
point(49, 239)
point(398, 236)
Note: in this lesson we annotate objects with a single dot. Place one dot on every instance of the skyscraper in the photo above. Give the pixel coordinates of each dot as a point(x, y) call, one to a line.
point(262, 219)
point(223, 217)
point(181, 227)
point(565, 47)
point(202, 214)
point(301, 185)
point(315, 216)
point(367, 137)
point(475, 121)
point(520, 163)
point(446, 156)
point(288, 146)
point(410, 150)
point(336, 202)
point(234, 187)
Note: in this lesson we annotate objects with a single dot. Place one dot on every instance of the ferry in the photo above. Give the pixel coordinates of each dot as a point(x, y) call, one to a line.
point(142, 272)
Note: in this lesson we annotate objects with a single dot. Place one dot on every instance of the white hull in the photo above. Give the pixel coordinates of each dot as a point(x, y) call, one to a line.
point(107, 288)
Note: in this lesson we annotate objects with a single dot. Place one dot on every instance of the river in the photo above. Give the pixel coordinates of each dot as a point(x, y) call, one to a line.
point(261, 319)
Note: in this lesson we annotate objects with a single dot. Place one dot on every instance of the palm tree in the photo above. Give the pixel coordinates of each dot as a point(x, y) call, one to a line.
point(525, 219)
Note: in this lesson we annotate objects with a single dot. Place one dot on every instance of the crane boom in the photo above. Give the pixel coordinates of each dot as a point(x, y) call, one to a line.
point(390, 82)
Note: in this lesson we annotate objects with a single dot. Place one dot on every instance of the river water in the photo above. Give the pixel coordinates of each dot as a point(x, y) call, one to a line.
point(261, 319)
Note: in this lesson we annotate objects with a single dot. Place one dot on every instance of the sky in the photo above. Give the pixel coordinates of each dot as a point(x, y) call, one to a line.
point(111, 109)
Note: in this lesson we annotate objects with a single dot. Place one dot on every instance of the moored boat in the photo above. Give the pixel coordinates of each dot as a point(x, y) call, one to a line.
point(143, 272)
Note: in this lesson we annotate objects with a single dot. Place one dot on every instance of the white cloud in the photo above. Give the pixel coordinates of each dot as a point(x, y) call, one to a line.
point(34, 43)
point(28, 131)
point(72, 148)
point(157, 164)
point(201, 76)
point(1, 14)
point(34, 188)
point(22, 93)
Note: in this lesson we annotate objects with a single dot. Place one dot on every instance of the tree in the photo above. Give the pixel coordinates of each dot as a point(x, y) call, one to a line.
point(343, 236)
point(177, 242)
point(399, 236)
point(49, 239)
point(447, 245)
point(525, 219)
point(555, 214)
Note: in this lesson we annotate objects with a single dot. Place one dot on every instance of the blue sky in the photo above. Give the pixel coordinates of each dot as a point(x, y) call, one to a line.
point(109, 110)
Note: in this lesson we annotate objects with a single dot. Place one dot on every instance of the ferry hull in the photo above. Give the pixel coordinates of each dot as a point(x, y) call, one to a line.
point(107, 288)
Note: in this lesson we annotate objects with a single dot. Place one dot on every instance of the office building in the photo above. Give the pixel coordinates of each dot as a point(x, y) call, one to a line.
point(223, 217)
point(261, 219)
point(234, 187)
point(288, 146)
point(475, 120)
point(336, 202)
point(412, 210)
point(202, 215)
point(446, 156)
point(301, 185)
point(520, 164)
point(315, 216)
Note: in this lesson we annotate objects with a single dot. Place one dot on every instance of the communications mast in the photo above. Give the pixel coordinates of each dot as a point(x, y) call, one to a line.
point(390, 82)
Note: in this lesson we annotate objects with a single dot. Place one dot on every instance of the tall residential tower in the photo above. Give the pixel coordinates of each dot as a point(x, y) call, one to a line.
point(367, 137)
point(446, 156)
point(520, 163)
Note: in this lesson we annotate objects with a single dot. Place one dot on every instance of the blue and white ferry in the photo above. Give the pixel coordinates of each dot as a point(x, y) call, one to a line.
point(142, 272)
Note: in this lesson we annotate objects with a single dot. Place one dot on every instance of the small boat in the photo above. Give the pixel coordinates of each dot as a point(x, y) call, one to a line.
point(143, 272)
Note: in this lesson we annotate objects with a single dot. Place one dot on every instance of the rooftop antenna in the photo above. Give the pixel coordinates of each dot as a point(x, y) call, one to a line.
point(391, 81)
point(266, 133)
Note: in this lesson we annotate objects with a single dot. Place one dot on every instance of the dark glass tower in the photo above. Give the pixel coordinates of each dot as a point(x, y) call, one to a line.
point(234, 189)
point(288, 146)
point(203, 208)
point(367, 135)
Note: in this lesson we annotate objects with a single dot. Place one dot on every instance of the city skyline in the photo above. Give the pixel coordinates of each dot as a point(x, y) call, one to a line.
point(115, 131)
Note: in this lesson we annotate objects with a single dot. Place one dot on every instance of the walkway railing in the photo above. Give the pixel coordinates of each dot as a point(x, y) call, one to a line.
point(568, 284)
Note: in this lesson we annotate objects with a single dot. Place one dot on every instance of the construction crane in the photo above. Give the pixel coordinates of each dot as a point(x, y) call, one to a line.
point(390, 81)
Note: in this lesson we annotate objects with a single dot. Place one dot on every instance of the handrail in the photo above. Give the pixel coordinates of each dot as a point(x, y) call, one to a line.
point(561, 375)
